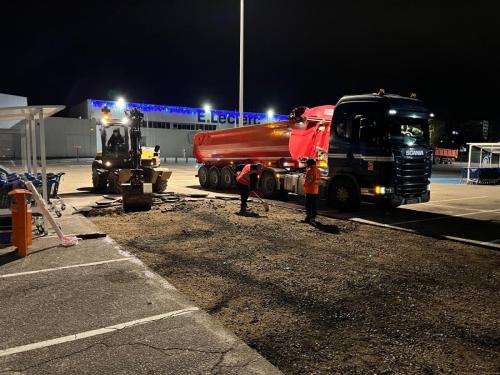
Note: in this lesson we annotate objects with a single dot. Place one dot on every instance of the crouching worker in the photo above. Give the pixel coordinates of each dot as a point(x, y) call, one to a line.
point(311, 188)
point(247, 181)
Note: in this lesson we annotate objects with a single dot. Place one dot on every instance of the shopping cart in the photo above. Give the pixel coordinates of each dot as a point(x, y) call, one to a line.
point(54, 202)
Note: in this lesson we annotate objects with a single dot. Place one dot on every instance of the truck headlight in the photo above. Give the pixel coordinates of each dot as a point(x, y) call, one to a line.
point(380, 190)
point(107, 164)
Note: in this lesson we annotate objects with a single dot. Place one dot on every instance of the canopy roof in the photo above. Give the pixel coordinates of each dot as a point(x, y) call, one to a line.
point(493, 148)
point(21, 113)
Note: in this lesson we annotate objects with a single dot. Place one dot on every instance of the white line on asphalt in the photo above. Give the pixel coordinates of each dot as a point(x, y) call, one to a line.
point(95, 332)
point(66, 267)
point(491, 244)
point(452, 207)
point(456, 199)
point(445, 217)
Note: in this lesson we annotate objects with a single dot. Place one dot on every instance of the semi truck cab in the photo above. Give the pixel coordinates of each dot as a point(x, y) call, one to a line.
point(379, 150)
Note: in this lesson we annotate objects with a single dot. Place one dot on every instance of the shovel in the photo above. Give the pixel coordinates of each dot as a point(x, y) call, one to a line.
point(264, 204)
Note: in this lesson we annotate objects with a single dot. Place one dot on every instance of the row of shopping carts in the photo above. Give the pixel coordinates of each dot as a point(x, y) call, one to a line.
point(55, 203)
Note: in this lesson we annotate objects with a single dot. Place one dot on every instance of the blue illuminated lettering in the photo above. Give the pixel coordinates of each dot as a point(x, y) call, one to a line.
point(222, 119)
point(201, 116)
point(231, 119)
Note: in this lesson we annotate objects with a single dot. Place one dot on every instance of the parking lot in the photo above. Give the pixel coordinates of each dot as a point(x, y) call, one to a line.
point(411, 268)
point(458, 212)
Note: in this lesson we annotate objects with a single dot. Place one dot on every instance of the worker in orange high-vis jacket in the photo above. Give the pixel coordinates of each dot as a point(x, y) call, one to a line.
point(246, 181)
point(311, 188)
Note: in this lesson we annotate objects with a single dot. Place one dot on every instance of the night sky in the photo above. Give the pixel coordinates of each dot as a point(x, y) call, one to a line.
point(186, 52)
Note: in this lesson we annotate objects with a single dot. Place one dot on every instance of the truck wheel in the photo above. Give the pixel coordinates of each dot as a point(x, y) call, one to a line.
point(203, 176)
point(344, 195)
point(160, 185)
point(98, 181)
point(214, 177)
point(268, 185)
point(227, 178)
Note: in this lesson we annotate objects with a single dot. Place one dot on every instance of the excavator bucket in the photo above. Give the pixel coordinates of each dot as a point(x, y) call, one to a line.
point(137, 197)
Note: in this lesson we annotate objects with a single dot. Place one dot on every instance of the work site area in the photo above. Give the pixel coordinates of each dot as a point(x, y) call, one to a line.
point(131, 262)
point(255, 187)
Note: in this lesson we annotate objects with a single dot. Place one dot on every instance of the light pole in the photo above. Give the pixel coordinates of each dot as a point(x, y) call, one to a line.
point(270, 115)
point(242, 30)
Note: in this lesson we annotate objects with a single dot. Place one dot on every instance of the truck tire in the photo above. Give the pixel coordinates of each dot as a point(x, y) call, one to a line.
point(214, 177)
point(228, 179)
point(268, 185)
point(203, 176)
point(99, 181)
point(344, 194)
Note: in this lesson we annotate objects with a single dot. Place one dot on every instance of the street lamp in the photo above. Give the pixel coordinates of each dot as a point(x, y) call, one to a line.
point(242, 29)
point(121, 103)
point(207, 108)
point(270, 114)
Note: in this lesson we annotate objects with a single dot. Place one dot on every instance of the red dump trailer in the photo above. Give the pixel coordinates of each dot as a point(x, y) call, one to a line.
point(444, 155)
point(281, 147)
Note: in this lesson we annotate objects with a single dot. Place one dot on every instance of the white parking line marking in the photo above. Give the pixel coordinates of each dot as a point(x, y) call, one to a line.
point(453, 207)
point(445, 217)
point(66, 267)
point(491, 244)
point(95, 332)
point(456, 199)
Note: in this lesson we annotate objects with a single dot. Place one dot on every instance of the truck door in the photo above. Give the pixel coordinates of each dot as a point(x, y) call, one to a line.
point(344, 144)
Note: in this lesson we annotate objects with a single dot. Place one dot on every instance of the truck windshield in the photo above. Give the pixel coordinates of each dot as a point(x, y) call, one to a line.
point(407, 130)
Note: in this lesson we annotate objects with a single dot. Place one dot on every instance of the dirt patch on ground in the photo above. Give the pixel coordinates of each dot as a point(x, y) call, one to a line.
point(338, 298)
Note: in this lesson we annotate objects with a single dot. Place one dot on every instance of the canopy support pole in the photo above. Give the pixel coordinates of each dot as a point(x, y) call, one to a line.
point(468, 165)
point(43, 156)
point(33, 144)
point(24, 160)
point(28, 143)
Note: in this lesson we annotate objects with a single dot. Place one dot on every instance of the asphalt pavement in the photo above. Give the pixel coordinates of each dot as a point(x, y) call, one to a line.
point(95, 309)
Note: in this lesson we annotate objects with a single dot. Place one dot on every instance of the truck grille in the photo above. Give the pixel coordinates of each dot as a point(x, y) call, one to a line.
point(412, 176)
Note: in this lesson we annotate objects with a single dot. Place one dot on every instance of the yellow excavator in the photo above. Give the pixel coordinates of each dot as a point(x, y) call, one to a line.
point(126, 167)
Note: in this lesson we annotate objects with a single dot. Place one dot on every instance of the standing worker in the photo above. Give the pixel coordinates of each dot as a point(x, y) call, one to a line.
point(247, 182)
point(311, 188)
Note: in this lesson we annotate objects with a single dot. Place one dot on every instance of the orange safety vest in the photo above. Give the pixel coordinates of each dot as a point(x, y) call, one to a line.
point(313, 177)
point(244, 176)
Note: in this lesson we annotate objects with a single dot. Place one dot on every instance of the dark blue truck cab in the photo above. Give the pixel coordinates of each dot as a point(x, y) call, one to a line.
point(379, 151)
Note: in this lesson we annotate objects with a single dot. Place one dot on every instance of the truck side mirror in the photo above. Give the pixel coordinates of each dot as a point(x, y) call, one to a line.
point(157, 148)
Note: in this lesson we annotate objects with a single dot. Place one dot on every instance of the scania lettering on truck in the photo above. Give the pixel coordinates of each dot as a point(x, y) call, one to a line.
point(376, 148)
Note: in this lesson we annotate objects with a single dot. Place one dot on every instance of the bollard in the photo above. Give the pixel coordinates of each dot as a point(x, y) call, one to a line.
point(21, 221)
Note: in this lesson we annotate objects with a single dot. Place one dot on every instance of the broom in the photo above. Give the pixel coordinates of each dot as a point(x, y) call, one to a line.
point(264, 204)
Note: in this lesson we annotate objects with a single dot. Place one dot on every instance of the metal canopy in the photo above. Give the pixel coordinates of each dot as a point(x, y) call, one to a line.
point(491, 148)
point(31, 114)
point(20, 113)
